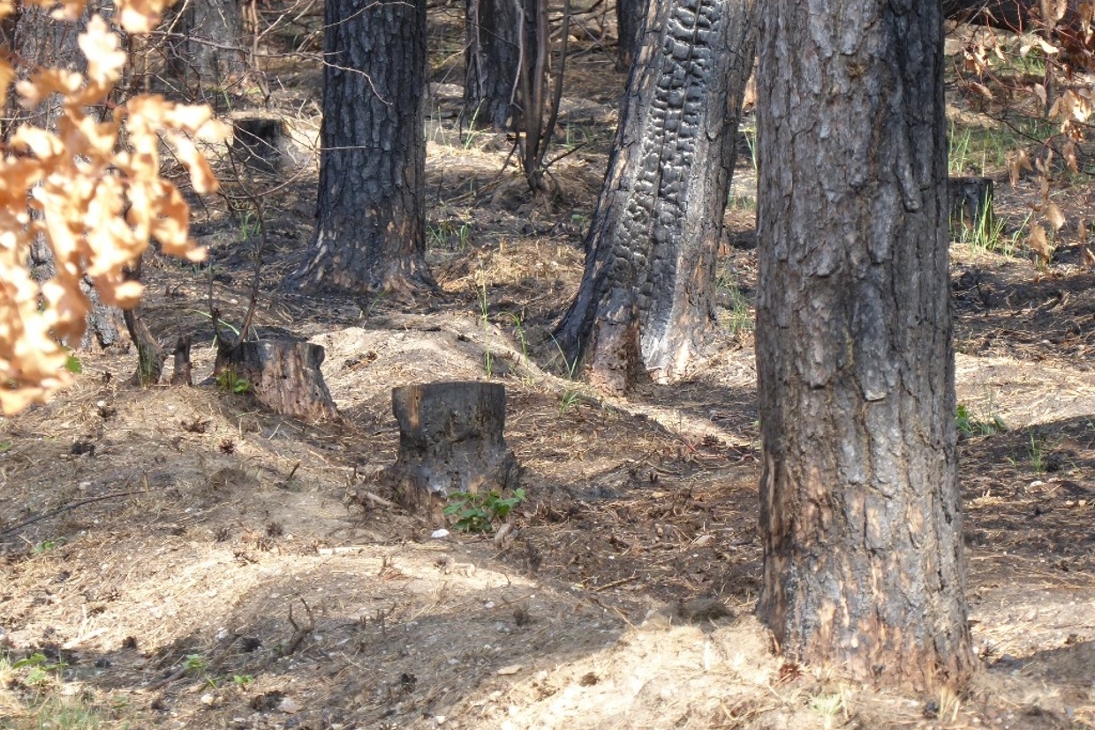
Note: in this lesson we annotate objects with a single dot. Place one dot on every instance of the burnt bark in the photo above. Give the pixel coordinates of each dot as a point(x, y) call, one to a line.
point(451, 439)
point(370, 233)
point(859, 513)
point(629, 25)
point(492, 58)
point(645, 305)
point(204, 44)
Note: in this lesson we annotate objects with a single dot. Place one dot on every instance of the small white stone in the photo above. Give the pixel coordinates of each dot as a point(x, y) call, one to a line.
point(438, 534)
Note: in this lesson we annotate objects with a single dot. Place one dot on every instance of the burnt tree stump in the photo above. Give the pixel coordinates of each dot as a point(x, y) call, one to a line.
point(257, 140)
point(283, 374)
point(450, 440)
point(971, 205)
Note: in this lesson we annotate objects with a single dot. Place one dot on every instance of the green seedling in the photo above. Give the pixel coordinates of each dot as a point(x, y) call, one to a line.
point(196, 664)
point(968, 425)
point(46, 546)
point(479, 512)
point(39, 670)
point(229, 380)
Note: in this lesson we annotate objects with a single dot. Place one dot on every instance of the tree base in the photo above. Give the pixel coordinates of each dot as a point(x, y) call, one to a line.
point(283, 374)
point(450, 441)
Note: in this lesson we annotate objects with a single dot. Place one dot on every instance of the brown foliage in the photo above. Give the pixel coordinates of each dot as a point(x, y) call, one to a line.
point(95, 202)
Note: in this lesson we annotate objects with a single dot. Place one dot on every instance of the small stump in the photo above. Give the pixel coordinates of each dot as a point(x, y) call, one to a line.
point(450, 440)
point(257, 141)
point(282, 374)
point(971, 205)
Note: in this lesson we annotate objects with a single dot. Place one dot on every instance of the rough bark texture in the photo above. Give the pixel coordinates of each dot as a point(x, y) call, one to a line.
point(283, 374)
point(860, 514)
point(645, 304)
point(491, 62)
point(370, 233)
point(450, 440)
point(204, 44)
point(629, 24)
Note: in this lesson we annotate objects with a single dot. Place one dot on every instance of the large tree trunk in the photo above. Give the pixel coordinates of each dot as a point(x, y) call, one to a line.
point(370, 235)
point(629, 25)
point(860, 514)
point(646, 301)
point(204, 45)
point(491, 61)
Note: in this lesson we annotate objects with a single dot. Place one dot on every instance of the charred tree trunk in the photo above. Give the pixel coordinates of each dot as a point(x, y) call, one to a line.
point(371, 230)
point(629, 25)
point(451, 439)
point(859, 513)
point(646, 301)
point(204, 44)
point(282, 374)
point(492, 58)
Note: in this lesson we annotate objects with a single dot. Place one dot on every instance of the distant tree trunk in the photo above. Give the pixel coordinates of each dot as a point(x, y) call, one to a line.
point(859, 513)
point(370, 234)
point(204, 44)
point(491, 62)
point(629, 24)
point(646, 301)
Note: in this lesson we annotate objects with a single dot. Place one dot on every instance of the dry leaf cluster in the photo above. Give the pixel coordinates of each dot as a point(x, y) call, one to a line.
point(95, 201)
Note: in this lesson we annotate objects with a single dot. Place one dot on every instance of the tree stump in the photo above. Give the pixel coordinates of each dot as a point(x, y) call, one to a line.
point(450, 440)
point(971, 205)
point(283, 374)
point(257, 140)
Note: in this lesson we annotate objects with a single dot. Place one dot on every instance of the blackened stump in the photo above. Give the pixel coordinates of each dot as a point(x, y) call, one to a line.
point(450, 440)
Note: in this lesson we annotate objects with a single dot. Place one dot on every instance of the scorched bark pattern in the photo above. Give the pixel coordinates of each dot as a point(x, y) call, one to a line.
point(370, 233)
point(860, 514)
point(646, 301)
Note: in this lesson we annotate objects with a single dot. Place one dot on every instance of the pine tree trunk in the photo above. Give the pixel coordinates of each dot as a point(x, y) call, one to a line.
point(860, 514)
point(646, 302)
point(204, 46)
point(491, 62)
point(370, 234)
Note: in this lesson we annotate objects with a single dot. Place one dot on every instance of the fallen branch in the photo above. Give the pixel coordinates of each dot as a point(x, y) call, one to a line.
point(67, 507)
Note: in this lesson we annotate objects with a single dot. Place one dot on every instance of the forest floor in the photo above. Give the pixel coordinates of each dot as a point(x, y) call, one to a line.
point(176, 557)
